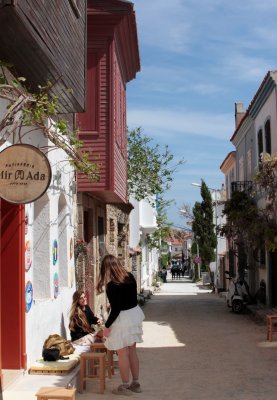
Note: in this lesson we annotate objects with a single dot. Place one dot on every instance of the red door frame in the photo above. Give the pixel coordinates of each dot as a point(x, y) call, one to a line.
point(12, 284)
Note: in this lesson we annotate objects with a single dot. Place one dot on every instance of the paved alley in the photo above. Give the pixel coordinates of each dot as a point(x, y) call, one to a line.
point(195, 348)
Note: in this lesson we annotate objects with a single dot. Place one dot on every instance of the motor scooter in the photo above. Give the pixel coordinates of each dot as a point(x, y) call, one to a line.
point(238, 294)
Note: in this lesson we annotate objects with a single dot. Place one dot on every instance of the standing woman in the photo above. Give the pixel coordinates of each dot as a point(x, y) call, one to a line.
point(123, 328)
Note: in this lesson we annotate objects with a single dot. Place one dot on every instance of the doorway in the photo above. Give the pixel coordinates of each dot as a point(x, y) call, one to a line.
point(12, 283)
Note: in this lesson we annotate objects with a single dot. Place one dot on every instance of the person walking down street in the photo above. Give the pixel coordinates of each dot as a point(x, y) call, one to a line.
point(164, 275)
point(81, 318)
point(173, 272)
point(123, 328)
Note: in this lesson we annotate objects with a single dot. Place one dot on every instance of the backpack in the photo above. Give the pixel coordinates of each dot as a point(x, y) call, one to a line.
point(55, 341)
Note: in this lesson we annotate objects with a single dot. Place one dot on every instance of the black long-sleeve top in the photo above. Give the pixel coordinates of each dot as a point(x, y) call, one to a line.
point(78, 332)
point(122, 296)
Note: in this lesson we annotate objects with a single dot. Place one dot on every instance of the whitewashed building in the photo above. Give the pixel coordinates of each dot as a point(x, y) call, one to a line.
point(142, 224)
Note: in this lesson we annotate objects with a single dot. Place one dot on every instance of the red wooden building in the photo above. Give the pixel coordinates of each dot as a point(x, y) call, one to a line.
point(112, 61)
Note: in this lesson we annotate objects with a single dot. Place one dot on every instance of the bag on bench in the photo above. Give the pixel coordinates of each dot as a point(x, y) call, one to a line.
point(56, 347)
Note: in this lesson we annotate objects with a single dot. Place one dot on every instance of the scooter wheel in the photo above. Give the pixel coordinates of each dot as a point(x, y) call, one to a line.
point(237, 306)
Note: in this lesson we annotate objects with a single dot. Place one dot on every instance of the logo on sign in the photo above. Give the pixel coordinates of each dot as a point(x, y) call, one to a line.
point(25, 173)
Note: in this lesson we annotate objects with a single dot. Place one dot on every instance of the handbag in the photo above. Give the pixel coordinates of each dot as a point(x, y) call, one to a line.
point(52, 354)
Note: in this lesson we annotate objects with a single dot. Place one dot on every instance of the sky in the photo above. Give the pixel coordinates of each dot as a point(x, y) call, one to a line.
point(198, 58)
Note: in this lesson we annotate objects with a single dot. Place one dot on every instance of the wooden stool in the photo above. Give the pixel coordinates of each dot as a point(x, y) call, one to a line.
point(87, 357)
point(47, 393)
point(270, 320)
point(100, 348)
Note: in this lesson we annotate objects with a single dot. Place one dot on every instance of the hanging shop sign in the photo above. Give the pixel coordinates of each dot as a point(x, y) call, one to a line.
point(25, 173)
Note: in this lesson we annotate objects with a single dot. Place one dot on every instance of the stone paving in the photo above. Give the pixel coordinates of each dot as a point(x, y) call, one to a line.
point(194, 348)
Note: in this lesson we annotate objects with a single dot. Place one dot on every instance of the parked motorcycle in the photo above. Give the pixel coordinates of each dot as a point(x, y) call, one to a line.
point(238, 294)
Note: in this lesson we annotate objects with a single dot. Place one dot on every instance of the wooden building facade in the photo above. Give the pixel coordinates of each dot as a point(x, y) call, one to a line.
point(112, 61)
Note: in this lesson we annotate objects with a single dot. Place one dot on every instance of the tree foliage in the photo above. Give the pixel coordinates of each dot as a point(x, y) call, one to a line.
point(248, 226)
point(150, 174)
point(158, 238)
point(150, 169)
point(243, 226)
point(203, 226)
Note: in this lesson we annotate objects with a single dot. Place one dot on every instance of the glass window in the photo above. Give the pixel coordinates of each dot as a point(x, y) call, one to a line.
point(260, 144)
point(267, 137)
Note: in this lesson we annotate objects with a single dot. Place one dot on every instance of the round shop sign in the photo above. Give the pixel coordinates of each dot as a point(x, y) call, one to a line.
point(25, 173)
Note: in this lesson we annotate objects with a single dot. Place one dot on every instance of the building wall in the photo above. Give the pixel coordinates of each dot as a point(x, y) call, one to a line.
point(49, 257)
point(267, 111)
point(143, 223)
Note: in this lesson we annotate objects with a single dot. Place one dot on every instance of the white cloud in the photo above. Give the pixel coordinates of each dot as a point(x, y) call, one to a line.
point(164, 25)
point(245, 68)
point(158, 122)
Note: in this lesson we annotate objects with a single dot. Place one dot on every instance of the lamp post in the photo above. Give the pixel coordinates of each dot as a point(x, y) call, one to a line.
point(215, 191)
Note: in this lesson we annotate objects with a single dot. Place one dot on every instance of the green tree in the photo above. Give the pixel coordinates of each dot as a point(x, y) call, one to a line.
point(203, 226)
point(158, 238)
point(150, 169)
point(150, 173)
point(248, 228)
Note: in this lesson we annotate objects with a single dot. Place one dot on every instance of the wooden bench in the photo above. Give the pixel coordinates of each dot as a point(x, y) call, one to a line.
point(271, 328)
point(59, 367)
point(48, 393)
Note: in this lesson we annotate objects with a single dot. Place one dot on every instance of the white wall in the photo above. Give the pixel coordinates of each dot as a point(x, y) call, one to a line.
point(142, 223)
point(51, 218)
point(134, 224)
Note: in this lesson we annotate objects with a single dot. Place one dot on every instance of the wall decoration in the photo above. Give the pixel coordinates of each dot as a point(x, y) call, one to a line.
point(28, 256)
point(56, 285)
point(71, 248)
point(55, 252)
point(28, 295)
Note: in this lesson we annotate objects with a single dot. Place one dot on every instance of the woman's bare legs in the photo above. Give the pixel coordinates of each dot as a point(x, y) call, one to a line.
point(124, 364)
point(134, 362)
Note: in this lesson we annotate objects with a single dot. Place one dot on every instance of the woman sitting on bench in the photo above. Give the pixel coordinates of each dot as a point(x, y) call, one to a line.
point(81, 318)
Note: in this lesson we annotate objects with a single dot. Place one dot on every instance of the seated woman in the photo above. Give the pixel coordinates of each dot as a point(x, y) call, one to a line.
point(81, 318)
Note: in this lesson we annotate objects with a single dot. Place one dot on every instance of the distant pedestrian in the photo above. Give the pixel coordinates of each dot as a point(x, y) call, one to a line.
point(173, 272)
point(164, 275)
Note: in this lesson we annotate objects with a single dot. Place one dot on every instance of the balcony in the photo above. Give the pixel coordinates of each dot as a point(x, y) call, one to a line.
point(242, 186)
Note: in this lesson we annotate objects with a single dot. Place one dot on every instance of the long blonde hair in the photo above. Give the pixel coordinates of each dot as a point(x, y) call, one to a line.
point(77, 315)
point(111, 270)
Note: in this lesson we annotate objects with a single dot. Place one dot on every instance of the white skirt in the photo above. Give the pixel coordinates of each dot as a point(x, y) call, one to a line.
point(126, 329)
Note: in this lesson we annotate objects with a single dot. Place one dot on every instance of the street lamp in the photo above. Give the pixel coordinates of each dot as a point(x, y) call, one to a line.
point(215, 191)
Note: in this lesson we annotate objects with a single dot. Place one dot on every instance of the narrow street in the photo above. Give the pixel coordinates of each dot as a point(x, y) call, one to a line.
point(195, 348)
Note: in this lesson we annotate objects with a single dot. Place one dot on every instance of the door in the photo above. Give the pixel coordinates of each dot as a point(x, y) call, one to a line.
point(12, 276)
point(273, 284)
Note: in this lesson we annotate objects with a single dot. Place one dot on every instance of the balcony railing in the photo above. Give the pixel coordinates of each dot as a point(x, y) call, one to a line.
point(242, 186)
